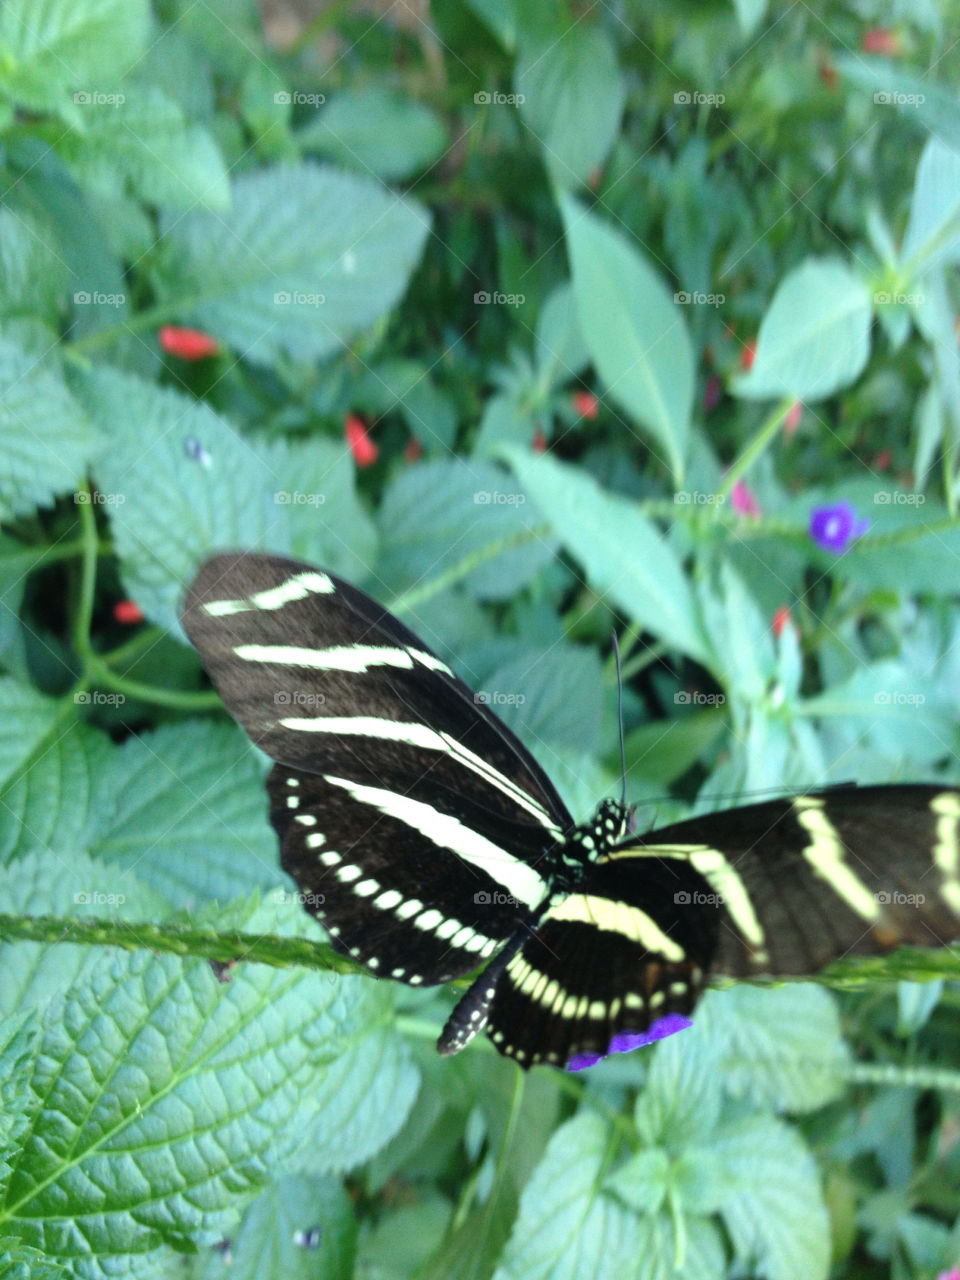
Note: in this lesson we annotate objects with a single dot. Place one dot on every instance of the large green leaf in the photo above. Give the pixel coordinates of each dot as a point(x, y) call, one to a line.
point(567, 1228)
point(48, 441)
point(622, 553)
point(376, 131)
point(52, 49)
point(169, 1098)
point(307, 258)
point(635, 334)
point(815, 336)
point(28, 720)
point(573, 96)
point(33, 275)
point(933, 231)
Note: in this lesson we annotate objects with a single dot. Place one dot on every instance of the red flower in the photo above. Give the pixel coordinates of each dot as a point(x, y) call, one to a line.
point(781, 619)
point(413, 451)
point(539, 442)
point(744, 500)
point(881, 40)
point(365, 451)
point(882, 461)
point(586, 404)
point(792, 420)
point(127, 611)
point(748, 354)
point(188, 344)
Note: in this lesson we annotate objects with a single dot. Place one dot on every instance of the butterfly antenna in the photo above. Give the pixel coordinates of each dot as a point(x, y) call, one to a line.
point(623, 749)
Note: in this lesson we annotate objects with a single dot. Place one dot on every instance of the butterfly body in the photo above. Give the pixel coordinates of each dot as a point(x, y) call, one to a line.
point(431, 843)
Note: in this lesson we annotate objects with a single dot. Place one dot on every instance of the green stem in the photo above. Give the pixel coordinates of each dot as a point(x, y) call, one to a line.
point(88, 570)
point(410, 600)
point(176, 699)
point(912, 1077)
point(757, 445)
point(146, 320)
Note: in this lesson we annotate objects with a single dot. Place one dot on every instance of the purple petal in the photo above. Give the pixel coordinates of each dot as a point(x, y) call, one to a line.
point(627, 1041)
point(834, 527)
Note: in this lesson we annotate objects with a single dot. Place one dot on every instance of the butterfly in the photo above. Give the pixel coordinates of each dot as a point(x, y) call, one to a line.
point(429, 841)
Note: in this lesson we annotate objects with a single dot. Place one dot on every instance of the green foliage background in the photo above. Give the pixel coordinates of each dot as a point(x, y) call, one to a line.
point(450, 222)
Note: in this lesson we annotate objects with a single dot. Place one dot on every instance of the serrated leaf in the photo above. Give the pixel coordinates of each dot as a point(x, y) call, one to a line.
point(933, 230)
point(815, 335)
point(28, 717)
point(554, 698)
point(33, 278)
point(20, 1262)
point(774, 1209)
point(154, 1075)
point(438, 513)
point(144, 144)
point(19, 1041)
point(167, 510)
point(681, 1101)
point(48, 806)
point(50, 49)
point(661, 1257)
point(50, 882)
point(782, 1047)
point(48, 442)
point(635, 334)
point(377, 131)
point(185, 808)
point(567, 1227)
point(306, 258)
point(273, 1239)
point(642, 1183)
point(573, 96)
point(622, 553)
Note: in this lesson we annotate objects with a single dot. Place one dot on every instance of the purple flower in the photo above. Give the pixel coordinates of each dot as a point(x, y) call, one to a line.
point(626, 1041)
point(835, 527)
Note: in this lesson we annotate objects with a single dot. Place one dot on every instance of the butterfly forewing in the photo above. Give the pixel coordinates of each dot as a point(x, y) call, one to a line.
point(413, 821)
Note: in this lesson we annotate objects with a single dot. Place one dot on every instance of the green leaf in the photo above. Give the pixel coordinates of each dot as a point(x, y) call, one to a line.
point(913, 95)
point(573, 96)
point(307, 258)
point(48, 441)
point(20, 1262)
point(167, 509)
point(438, 513)
point(376, 131)
point(154, 1075)
point(635, 334)
point(916, 1001)
point(49, 804)
point(552, 699)
point(185, 808)
point(52, 49)
point(642, 1183)
point(559, 347)
point(774, 1208)
point(750, 13)
point(662, 1256)
point(33, 277)
point(567, 1227)
point(933, 231)
point(270, 1240)
point(623, 555)
point(19, 1042)
point(681, 1101)
point(146, 145)
point(815, 336)
point(28, 718)
point(48, 882)
point(504, 421)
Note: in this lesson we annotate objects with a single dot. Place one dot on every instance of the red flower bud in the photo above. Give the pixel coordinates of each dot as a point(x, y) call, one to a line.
point(127, 612)
point(188, 344)
point(586, 404)
point(365, 451)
